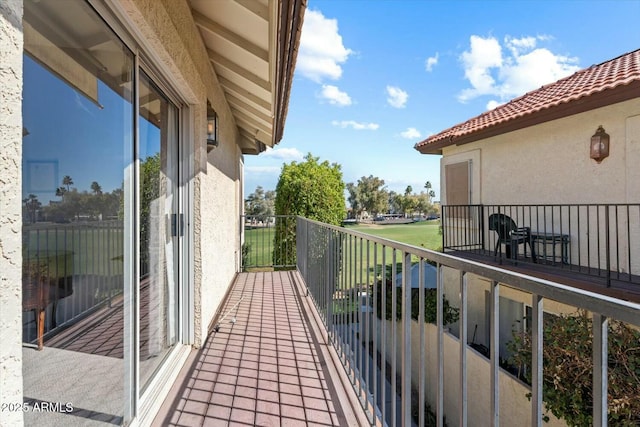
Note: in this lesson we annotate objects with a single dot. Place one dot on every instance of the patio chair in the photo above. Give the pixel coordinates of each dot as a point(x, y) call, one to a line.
point(511, 236)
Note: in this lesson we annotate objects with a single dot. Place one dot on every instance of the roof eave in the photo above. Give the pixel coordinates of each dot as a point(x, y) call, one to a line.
point(586, 103)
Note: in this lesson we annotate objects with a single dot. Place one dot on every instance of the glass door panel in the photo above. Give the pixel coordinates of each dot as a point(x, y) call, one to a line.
point(160, 226)
point(78, 123)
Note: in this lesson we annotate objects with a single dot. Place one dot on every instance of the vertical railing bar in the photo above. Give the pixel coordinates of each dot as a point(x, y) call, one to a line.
point(348, 310)
point(608, 244)
point(536, 360)
point(383, 333)
point(617, 234)
point(579, 233)
point(364, 323)
point(629, 242)
point(440, 345)
point(463, 347)
point(588, 239)
point(374, 335)
point(494, 348)
point(600, 369)
point(423, 356)
point(330, 284)
point(368, 330)
point(406, 339)
point(394, 344)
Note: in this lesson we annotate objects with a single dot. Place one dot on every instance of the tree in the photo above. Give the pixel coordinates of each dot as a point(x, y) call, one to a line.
point(310, 189)
point(354, 200)
point(60, 191)
point(32, 205)
point(96, 188)
point(260, 203)
point(369, 194)
point(67, 181)
point(430, 192)
point(567, 367)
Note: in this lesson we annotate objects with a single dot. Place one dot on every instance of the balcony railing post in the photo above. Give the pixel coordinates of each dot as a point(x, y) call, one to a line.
point(600, 373)
point(440, 344)
point(463, 348)
point(330, 285)
point(495, 353)
point(406, 339)
point(536, 360)
point(607, 244)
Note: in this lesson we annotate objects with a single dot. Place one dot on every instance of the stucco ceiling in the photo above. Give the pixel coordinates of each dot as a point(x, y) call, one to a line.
point(252, 46)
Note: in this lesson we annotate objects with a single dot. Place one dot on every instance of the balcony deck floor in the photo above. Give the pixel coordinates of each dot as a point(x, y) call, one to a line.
point(262, 367)
point(623, 288)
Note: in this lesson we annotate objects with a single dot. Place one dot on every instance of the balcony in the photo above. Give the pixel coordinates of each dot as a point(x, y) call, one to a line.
point(593, 247)
point(338, 341)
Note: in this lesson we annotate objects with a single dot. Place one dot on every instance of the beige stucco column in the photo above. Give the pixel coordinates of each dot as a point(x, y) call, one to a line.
point(11, 43)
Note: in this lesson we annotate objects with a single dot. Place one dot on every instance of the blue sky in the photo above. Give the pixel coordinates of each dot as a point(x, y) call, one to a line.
point(375, 77)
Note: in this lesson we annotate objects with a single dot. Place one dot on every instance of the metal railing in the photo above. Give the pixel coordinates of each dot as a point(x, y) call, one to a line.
point(83, 262)
point(398, 365)
point(600, 240)
point(269, 241)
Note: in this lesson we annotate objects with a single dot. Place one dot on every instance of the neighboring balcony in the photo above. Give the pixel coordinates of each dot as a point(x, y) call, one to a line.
point(593, 246)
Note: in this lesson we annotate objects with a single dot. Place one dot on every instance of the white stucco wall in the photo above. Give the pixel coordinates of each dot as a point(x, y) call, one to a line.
point(549, 163)
point(515, 407)
point(168, 30)
point(11, 43)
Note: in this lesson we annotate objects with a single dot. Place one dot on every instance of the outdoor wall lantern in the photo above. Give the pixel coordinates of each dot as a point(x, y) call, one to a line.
point(212, 131)
point(600, 145)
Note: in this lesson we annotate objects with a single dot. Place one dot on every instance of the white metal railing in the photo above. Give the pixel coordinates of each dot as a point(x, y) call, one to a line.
point(397, 370)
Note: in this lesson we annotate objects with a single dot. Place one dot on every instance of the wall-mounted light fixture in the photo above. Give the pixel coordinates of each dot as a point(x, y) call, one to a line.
point(212, 129)
point(599, 145)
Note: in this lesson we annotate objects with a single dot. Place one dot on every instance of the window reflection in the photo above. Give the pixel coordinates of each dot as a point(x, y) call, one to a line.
point(78, 140)
point(158, 225)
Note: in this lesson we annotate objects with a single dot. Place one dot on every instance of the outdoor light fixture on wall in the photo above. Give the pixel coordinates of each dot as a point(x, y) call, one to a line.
point(599, 145)
point(212, 130)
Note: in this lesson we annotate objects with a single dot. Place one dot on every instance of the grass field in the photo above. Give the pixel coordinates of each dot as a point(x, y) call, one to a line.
point(423, 234)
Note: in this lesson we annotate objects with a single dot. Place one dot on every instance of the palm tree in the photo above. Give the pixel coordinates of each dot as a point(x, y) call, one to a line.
point(67, 181)
point(60, 191)
point(32, 204)
point(96, 188)
point(427, 185)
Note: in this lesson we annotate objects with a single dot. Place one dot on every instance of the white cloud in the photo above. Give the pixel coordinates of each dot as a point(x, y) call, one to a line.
point(321, 48)
point(262, 170)
point(335, 96)
point(493, 104)
point(431, 62)
point(522, 66)
point(411, 133)
point(286, 154)
point(396, 97)
point(355, 125)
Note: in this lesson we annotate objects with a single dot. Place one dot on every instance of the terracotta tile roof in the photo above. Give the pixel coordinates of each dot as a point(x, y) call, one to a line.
point(595, 80)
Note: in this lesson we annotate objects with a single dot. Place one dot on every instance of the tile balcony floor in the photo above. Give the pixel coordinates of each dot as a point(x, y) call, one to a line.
point(264, 366)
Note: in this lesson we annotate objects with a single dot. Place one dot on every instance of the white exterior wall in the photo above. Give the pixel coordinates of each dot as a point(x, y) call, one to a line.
point(549, 163)
point(11, 43)
point(515, 407)
point(168, 29)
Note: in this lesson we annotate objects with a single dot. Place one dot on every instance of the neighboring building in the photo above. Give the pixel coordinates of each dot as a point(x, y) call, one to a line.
point(536, 160)
point(140, 112)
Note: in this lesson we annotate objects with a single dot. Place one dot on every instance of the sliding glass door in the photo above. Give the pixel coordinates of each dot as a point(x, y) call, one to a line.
point(101, 219)
point(160, 226)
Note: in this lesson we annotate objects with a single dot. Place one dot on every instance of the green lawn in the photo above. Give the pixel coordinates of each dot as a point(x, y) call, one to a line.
point(259, 242)
point(423, 234)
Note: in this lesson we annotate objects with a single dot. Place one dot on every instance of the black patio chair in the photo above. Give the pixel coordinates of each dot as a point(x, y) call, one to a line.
point(511, 236)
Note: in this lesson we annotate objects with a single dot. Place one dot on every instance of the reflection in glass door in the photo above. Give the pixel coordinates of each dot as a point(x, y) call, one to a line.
point(160, 227)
